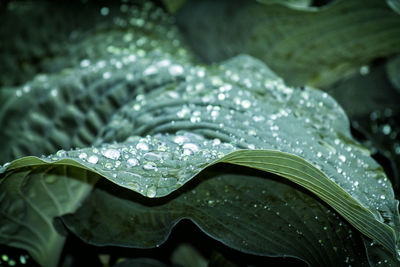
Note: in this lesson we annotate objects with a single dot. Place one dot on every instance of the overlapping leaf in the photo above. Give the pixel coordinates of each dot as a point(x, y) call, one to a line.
point(254, 212)
point(314, 48)
point(31, 198)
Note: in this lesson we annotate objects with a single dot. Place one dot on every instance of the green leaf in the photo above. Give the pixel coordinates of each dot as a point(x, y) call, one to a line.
point(240, 105)
point(301, 172)
point(314, 48)
point(294, 4)
point(29, 200)
point(393, 71)
point(394, 4)
point(255, 213)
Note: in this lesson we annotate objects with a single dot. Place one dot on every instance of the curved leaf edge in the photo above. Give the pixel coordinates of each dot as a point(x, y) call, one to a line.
point(316, 182)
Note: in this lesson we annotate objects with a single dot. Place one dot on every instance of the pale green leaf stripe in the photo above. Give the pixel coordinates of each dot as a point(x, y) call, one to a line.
point(309, 177)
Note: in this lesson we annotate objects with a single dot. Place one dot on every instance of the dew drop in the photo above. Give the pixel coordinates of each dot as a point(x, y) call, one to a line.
point(179, 140)
point(246, 104)
point(151, 191)
point(192, 147)
point(104, 11)
point(111, 154)
point(142, 146)
point(150, 166)
point(82, 155)
point(106, 75)
point(175, 70)
point(386, 129)
point(93, 159)
point(342, 158)
point(150, 70)
point(108, 165)
point(132, 162)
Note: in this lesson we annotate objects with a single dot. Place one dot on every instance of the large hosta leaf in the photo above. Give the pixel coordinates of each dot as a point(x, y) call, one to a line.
point(253, 212)
point(166, 137)
point(314, 48)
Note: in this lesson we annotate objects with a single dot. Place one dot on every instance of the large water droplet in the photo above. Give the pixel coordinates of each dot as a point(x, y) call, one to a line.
point(93, 159)
point(150, 166)
point(111, 154)
point(132, 162)
point(246, 104)
point(175, 70)
point(151, 191)
point(142, 146)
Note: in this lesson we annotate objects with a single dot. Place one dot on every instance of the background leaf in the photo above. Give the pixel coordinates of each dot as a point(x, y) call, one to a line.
point(30, 199)
point(314, 48)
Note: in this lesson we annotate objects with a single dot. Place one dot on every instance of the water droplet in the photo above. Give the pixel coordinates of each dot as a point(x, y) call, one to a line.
point(152, 156)
point(106, 75)
point(151, 191)
point(192, 147)
point(342, 158)
point(132, 162)
point(111, 154)
point(22, 259)
point(93, 159)
point(85, 63)
point(150, 166)
point(54, 92)
point(26, 89)
point(179, 140)
point(319, 154)
point(108, 165)
point(364, 70)
point(382, 197)
point(142, 146)
point(104, 11)
point(246, 104)
point(355, 183)
point(175, 70)
point(221, 96)
point(386, 129)
point(150, 70)
point(82, 155)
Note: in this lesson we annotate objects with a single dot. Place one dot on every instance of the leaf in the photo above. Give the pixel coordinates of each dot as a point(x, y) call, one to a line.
point(375, 116)
point(313, 48)
point(257, 213)
point(394, 4)
point(294, 4)
point(393, 71)
point(225, 113)
point(30, 199)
